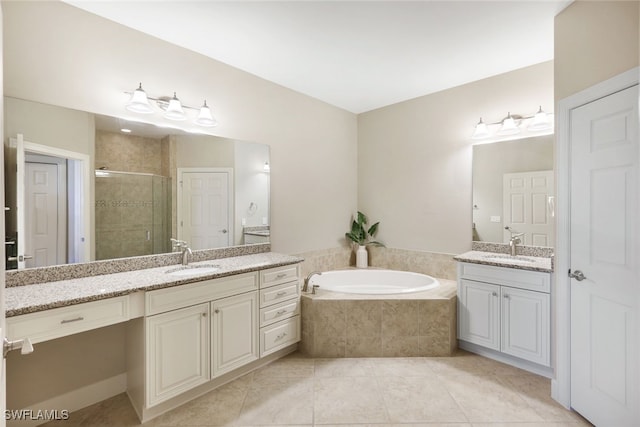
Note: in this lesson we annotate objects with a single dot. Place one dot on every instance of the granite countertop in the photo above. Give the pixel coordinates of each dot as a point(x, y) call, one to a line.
point(521, 262)
point(44, 296)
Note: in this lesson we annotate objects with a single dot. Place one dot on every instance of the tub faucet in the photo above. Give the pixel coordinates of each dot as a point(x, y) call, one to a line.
point(305, 287)
point(184, 247)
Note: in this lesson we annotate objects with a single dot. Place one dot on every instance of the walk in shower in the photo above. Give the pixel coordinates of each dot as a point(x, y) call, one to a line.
point(133, 214)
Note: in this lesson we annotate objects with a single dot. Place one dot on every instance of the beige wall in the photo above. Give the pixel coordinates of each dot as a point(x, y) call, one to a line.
point(81, 61)
point(414, 158)
point(594, 41)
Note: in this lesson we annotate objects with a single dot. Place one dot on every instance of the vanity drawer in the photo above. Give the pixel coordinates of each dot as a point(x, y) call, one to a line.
point(279, 293)
point(523, 279)
point(279, 335)
point(275, 313)
point(60, 322)
point(276, 276)
point(175, 297)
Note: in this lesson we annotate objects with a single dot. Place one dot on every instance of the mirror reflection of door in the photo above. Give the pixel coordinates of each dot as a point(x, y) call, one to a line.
point(526, 207)
point(50, 202)
point(204, 209)
point(45, 211)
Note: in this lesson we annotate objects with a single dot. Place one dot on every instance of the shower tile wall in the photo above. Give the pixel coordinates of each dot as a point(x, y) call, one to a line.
point(131, 210)
point(128, 153)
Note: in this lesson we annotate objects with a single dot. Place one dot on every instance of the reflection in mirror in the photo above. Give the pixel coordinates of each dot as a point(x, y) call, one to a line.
point(513, 186)
point(150, 184)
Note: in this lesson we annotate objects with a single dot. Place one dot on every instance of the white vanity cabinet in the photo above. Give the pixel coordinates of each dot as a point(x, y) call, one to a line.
point(199, 335)
point(279, 308)
point(198, 331)
point(234, 332)
point(506, 311)
point(178, 352)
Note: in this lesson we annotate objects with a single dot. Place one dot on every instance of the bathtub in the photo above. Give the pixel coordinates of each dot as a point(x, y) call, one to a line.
point(378, 313)
point(373, 281)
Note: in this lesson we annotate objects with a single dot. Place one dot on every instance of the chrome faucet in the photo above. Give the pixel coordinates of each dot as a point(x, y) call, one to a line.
point(184, 247)
point(305, 286)
point(513, 243)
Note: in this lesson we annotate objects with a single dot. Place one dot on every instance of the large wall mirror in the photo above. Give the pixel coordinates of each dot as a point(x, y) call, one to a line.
point(513, 191)
point(145, 185)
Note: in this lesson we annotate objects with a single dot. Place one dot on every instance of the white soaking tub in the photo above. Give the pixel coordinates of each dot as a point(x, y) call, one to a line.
point(373, 281)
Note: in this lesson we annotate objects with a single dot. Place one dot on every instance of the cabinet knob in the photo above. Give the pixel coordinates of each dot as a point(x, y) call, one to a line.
point(506, 296)
point(216, 311)
point(494, 293)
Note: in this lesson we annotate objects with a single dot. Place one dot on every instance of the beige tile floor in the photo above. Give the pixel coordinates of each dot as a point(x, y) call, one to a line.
point(461, 391)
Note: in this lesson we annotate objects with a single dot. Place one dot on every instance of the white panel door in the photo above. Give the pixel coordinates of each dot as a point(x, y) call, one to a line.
point(604, 243)
point(234, 331)
point(204, 218)
point(526, 206)
point(41, 210)
point(479, 313)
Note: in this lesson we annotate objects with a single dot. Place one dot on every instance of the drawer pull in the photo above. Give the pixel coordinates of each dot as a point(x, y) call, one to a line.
point(282, 335)
point(281, 276)
point(77, 319)
point(281, 293)
point(280, 312)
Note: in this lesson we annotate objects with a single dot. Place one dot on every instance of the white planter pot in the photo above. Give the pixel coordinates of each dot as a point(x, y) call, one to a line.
point(362, 257)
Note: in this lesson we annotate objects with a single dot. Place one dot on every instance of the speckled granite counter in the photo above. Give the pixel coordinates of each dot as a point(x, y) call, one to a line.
point(43, 296)
point(522, 262)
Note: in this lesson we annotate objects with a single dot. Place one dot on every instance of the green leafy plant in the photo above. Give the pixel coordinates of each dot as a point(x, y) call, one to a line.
point(360, 234)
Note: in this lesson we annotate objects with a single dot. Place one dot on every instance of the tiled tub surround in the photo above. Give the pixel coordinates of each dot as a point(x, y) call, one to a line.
point(347, 325)
point(64, 292)
point(430, 263)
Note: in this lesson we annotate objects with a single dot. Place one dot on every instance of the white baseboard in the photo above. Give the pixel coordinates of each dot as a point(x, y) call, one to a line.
point(76, 399)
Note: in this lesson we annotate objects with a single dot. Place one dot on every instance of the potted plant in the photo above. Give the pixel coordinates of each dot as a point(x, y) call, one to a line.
point(362, 236)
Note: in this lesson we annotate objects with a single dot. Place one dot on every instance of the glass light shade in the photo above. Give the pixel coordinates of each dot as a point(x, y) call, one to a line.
point(508, 127)
point(138, 103)
point(174, 110)
point(482, 130)
point(205, 118)
point(540, 121)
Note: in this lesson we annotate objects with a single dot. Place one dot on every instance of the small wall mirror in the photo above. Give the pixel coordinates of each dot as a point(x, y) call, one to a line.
point(513, 191)
point(146, 185)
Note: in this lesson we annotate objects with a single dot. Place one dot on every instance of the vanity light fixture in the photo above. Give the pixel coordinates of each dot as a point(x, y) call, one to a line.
point(540, 121)
point(172, 107)
point(515, 127)
point(509, 126)
point(174, 110)
point(482, 131)
point(204, 116)
point(139, 103)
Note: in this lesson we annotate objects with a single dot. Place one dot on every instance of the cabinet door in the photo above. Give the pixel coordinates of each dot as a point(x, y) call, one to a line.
point(235, 332)
point(177, 352)
point(479, 313)
point(525, 325)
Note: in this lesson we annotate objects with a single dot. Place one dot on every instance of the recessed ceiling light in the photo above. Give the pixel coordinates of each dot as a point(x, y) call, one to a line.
point(125, 130)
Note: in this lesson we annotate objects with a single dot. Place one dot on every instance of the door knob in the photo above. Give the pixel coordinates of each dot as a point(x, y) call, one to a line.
point(224, 231)
point(578, 275)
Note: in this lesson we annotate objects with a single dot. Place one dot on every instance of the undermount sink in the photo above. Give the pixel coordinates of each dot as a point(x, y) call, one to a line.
point(192, 270)
point(517, 259)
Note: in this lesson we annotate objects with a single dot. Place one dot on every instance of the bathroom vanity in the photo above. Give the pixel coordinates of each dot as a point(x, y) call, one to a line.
point(504, 308)
point(187, 331)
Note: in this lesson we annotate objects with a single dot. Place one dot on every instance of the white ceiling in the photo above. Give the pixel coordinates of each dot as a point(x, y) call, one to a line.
point(357, 55)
